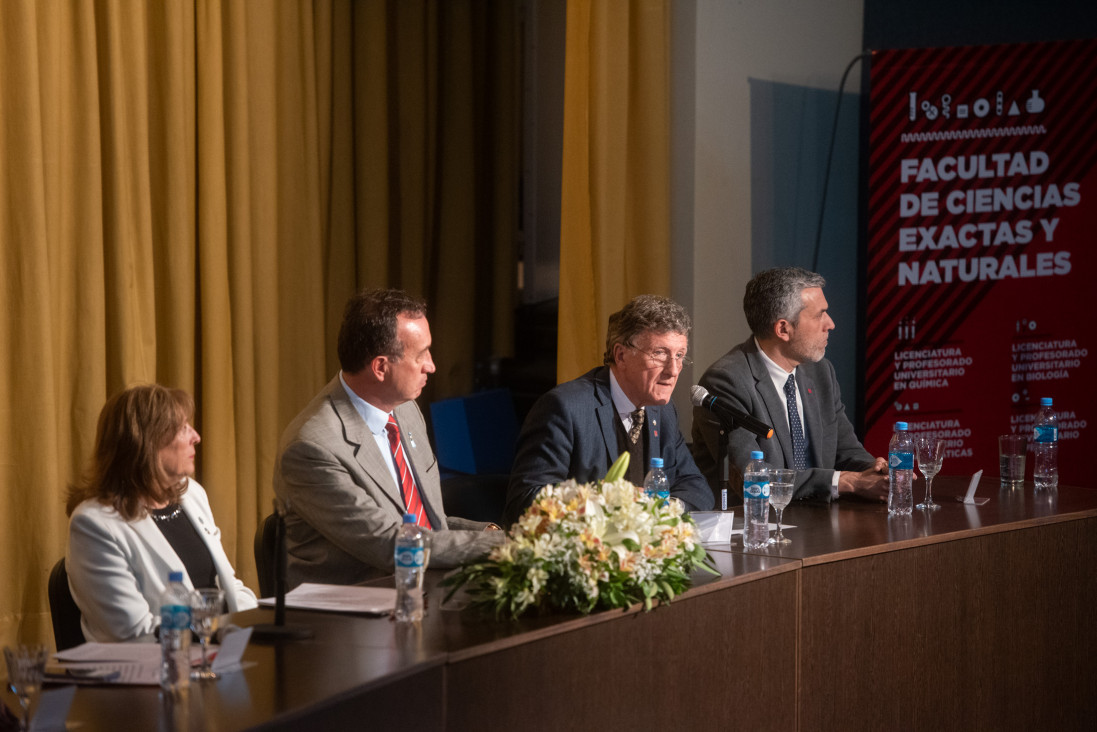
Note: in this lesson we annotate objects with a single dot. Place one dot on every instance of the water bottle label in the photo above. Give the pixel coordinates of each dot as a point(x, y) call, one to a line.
point(756, 489)
point(1045, 433)
point(409, 557)
point(175, 617)
point(901, 460)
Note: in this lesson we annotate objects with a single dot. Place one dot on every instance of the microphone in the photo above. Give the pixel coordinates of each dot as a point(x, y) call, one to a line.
point(279, 630)
point(728, 415)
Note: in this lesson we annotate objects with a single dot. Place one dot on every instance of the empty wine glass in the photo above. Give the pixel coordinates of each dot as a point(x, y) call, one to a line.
point(930, 451)
point(780, 494)
point(207, 606)
point(26, 665)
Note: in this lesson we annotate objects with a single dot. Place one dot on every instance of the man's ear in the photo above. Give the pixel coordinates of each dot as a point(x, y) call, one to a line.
point(783, 330)
point(618, 349)
point(378, 367)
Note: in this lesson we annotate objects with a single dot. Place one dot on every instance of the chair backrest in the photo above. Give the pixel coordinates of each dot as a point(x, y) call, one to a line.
point(265, 559)
point(475, 434)
point(63, 610)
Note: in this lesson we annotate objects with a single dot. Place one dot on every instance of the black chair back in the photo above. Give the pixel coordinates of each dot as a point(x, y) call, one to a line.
point(63, 610)
point(265, 551)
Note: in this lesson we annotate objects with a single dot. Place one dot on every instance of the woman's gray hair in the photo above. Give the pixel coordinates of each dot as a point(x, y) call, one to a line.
point(775, 294)
point(644, 313)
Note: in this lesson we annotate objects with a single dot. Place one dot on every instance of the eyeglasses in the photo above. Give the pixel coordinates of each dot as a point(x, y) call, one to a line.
point(663, 357)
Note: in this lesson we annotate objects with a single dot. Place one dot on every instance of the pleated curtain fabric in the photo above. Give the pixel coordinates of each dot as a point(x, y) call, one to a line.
point(191, 190)
point(615, 203)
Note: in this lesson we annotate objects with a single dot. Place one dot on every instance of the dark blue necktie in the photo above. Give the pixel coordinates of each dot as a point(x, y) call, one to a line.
point(799, 441)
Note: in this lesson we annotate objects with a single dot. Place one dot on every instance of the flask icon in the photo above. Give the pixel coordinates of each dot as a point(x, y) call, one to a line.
point(1034, 104)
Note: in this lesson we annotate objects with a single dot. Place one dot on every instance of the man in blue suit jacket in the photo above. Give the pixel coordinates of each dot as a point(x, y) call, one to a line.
point(783, 363)
point(580, 427)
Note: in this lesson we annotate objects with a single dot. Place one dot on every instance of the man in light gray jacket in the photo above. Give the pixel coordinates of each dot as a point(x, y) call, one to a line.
point(358, 458)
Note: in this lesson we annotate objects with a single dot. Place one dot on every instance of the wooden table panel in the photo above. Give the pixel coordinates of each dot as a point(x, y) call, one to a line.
point(992, 629)
point(718, 659)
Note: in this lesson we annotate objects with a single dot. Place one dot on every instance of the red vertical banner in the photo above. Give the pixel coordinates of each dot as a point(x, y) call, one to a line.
point(982, 246)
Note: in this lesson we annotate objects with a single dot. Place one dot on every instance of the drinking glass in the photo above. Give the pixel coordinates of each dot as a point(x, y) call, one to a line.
point(26, 664)
point(930, 451)
point(206, 607)
point(780, 494)
point(1011, 460)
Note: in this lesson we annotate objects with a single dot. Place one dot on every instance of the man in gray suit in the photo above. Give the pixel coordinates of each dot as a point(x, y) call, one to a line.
point(579, 428)
point(779, 376)
point(357, 458)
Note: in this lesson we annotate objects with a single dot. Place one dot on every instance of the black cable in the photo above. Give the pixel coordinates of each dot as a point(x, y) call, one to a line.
point(830, 157)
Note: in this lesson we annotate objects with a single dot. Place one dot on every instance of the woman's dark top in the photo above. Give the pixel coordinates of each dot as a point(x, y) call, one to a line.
point(184, 539)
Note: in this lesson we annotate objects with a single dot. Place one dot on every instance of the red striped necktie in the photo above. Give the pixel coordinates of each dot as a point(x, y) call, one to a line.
point(412, 500)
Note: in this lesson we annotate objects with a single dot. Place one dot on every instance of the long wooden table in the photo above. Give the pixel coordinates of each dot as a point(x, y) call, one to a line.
point(970, 618)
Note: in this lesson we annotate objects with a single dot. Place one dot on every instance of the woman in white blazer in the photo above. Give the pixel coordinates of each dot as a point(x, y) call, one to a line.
point(138, 515)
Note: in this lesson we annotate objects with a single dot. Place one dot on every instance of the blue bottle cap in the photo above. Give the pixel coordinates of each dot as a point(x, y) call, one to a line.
point(175, 577)
point(1045, 401)
point(901, 426)
point(657, 462)
point(757, 455)
point(409, 518)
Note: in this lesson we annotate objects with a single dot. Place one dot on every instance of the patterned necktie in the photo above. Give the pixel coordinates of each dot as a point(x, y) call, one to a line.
point(412, 500)
point(637, 425)
point(799, 442)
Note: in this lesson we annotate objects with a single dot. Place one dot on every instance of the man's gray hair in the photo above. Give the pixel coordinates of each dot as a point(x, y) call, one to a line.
point(775, 294)
point(642, 314)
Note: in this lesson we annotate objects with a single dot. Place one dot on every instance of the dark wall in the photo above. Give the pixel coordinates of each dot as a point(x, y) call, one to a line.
point(934, 23)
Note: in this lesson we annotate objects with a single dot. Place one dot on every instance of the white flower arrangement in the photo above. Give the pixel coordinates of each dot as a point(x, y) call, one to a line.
point(581, 547)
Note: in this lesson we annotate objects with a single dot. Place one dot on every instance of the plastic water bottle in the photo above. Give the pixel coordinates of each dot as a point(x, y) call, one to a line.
point(1045, 441)
point(655, 482)
point(411, 563)
point(901, 472)
point(756, 502)
point(175, 635)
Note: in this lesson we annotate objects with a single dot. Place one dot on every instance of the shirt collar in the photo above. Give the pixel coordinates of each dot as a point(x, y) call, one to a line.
point(374, 418)
point(621, 402)
point(776, 373)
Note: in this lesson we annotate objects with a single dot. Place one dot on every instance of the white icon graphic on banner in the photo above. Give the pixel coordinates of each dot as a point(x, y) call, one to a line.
point(907, 328)
point(1034, 104)
point(980, 107)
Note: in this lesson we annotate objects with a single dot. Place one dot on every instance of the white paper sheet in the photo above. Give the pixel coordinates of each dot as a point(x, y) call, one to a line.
point(120, 652)
point(970, 498)
point(231, 652)
point(53, 709)
point(135, 664)
point(339, 598)
point(715, 527)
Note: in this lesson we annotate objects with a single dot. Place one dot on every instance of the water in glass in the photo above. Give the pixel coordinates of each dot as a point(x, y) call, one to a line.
point(780, 495)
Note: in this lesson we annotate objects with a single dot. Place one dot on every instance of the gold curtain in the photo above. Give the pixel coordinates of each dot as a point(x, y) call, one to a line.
point(615, 207)
point(190, 190)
